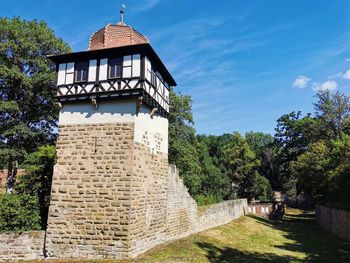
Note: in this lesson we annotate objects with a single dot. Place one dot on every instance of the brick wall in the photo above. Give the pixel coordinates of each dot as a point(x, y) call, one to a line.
point(336, 221)
point(24, 246)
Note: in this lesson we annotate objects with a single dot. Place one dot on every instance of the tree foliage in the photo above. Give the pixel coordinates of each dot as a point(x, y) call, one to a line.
point(19, 212)
point(314, 157)
point(216, 168)
point(38, 177)
point(28, 118)
point(27, 113)
point(244, 170)
point(182, 141)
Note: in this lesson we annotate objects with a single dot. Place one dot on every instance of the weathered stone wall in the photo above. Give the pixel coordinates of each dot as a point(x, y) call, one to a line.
point(148, 197)
point(185, 218)
point(221, 213)
point(336, 221)
point(90, 200)
point(181, 207)
point(113, 193)
point(24, 246)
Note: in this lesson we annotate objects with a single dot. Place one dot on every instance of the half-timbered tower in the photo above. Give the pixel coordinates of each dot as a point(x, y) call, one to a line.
point(109, 184)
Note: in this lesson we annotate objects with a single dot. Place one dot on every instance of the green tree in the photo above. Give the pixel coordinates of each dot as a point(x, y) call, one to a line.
point(19, 212)
point(338, 194)
point(333, 111)
point(261, 187)
point(244, 167)
point(293, 135)
point(263, 146)
point(27, 114)
point(311, 169)
point(217, 150)
point(313, 151)
point(182, 141)
point(214, 183)
point(38, 177)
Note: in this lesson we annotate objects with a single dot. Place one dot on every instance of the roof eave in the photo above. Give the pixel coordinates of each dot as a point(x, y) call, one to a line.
point(99, 52)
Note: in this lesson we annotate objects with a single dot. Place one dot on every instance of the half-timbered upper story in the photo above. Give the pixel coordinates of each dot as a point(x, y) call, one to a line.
point(119, 64)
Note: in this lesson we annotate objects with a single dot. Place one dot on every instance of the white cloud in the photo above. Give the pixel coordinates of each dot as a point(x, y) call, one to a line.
point(328, 85)
point(147, 5)
point(335, 76)
point(301, 82)
point(346, 75)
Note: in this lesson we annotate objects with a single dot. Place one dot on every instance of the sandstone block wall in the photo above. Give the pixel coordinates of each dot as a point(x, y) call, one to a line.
point(148, 197)
point(181, 207)
point(114, 195)
point(221, 213)
point(90, 206)
point(24, 246)
point(185, 218)
point(336, 221)
point(109, 192)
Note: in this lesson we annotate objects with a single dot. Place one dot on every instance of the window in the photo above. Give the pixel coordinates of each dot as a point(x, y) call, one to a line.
point(81, 71)
point(115, 68)
point(154, 78)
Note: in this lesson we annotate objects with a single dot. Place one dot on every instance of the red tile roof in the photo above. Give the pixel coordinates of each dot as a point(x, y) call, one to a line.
point(116, 36)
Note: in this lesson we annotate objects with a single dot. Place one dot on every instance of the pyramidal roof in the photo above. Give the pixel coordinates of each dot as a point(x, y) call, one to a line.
point(118, 35)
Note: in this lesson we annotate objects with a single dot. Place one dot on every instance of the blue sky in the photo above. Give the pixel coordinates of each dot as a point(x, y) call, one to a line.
point(245, 63)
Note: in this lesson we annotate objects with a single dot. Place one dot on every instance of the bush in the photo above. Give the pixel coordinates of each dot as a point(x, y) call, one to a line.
point(207, 199)
point(38, 178)
point(262, 188)
point(19, 212)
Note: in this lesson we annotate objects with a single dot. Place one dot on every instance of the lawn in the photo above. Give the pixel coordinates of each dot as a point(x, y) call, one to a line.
point(296, 238)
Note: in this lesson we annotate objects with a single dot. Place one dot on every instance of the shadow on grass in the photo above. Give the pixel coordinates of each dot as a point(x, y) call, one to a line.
point(230, 255)
point(309, 238)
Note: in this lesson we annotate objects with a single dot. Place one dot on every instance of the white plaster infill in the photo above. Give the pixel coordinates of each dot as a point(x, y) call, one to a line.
point(154, 128)
point(107, 112)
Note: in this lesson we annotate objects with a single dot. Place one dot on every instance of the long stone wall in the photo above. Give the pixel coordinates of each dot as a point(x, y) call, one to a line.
point(336, 221)
point(24, 246)
point(158, 215)
point(221, 213)
point(185, 218)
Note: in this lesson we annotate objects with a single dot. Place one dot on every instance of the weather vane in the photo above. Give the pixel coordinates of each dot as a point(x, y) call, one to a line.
point(122, 10)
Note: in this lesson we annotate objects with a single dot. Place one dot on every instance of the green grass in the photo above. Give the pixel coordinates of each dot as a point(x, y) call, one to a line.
point(296, 238)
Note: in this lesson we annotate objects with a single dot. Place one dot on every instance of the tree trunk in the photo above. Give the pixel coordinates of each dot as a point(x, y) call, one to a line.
point(11, 175)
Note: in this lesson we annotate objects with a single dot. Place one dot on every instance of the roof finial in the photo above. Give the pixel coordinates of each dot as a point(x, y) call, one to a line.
point(122, 9)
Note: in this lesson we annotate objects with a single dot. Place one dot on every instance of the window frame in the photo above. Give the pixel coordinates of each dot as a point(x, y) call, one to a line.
point(120, 63)
point(82, 71)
